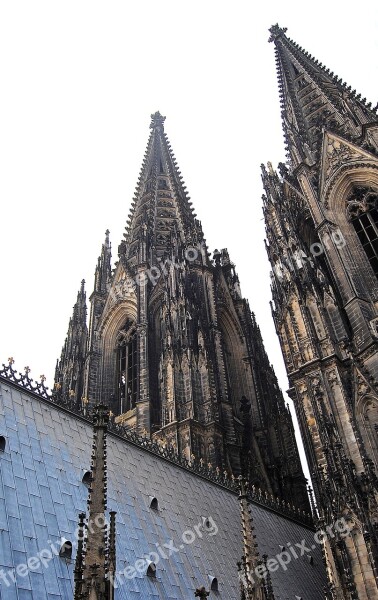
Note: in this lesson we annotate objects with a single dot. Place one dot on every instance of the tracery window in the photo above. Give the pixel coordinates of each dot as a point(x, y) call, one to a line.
point(362, 212)
point(127, 367)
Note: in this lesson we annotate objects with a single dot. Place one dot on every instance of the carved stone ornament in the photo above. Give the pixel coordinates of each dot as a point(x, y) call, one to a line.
point(332, 377)
point(362, 386)
point(337, 154)
point(362, 200)
point(302, 389)
point(316, 387)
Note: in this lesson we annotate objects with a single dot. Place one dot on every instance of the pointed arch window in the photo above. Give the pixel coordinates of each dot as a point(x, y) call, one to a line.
point(127, 367)
point(362, 212)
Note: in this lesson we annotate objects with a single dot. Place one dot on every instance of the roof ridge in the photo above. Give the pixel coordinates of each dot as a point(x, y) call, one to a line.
point(9, 375)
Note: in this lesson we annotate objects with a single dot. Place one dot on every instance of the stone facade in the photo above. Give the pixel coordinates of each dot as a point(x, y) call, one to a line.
point(173, 348)
point(321, 213)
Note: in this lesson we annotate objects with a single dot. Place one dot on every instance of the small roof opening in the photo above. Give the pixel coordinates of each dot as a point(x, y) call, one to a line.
point(2, 443)
point(66, 550)
point(213, 583)
point(87, 478)
point(151, 570)
point(154, 503)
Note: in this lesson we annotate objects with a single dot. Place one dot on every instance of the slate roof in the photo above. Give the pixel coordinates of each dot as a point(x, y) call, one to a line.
point(46, 455)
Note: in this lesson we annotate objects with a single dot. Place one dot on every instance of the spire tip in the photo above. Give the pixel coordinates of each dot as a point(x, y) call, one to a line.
point(276, 32)
point(157, 120)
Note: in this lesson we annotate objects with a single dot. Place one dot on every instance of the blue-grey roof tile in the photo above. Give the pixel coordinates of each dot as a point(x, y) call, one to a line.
point(25, 595)
point(36, 449)
point(27, 458)
point(7, 473)
point(31, 547)
point(47, 502)
point(38, 585)
point(27, 523)
point(21, 570)
point(31, 480)
point(22, 491)
point(3, 515)
point(38, 512)
point(17, 462)
point(16, 534)
point(61, 448)
point(6, 559)
point(11, 503)
point(65, 588)
point(8, 592)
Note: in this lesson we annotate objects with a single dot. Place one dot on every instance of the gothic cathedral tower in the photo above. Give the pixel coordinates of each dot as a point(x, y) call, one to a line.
point(321, 214)
point(173, 348)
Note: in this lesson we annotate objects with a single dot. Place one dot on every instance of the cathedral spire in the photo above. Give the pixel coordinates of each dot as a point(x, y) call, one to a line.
point(95, 559)
point(172, 333)
point(313, 98)
point(68, 373)
point(321, 224)
point(103, 268)
point(161, 217)
point(157, 120)
point(80, 308)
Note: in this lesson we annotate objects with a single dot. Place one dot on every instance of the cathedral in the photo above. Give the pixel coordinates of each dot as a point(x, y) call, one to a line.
point(165, 406)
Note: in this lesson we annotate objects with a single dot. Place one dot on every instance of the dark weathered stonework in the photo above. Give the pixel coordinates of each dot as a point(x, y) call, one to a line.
point(173, 348)
point(325, 294)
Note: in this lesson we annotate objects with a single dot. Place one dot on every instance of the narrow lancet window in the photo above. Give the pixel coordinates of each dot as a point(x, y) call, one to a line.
point(362, 211)
point(127, 367)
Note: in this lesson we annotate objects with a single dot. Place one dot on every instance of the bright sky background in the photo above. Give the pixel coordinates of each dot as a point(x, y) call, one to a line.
point(79, 82)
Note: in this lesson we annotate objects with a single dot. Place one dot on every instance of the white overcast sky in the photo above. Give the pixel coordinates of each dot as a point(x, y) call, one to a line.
point(79, 80)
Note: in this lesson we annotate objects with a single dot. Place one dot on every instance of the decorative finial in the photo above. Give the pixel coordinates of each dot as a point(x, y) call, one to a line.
point(94, 576)
point(276, 31)
point(157, 120)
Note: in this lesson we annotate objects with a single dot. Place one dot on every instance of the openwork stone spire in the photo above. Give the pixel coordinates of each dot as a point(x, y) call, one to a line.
point(157, 120)
point(321, 224)
point(161, 216)
point(312, 97)
point(69, 368)
point(95, 560)
point(103, 268)
point(170, 333)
